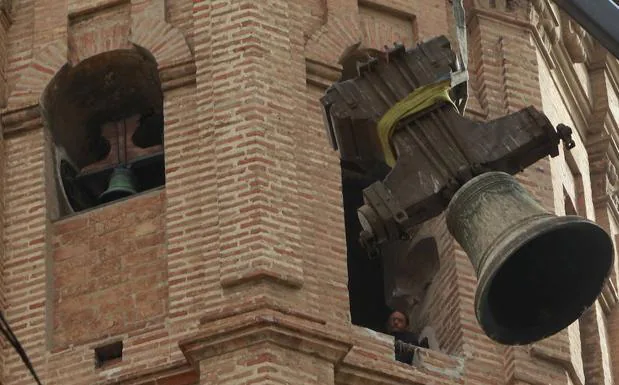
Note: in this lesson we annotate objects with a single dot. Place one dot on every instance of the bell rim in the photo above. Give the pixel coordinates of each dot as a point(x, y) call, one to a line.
point(108, 196)
point(123, 191)
point(486, 274)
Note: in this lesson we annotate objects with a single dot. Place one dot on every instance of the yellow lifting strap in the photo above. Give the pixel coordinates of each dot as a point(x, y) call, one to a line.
point(418, 100)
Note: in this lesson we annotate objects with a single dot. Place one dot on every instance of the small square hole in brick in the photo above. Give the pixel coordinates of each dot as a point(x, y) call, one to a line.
point(108, 354)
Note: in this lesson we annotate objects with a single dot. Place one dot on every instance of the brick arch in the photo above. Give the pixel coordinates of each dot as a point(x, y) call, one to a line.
point(379, 35)
point(45, 63)
point(98, 40)
point(166, 43)
point(327, 44)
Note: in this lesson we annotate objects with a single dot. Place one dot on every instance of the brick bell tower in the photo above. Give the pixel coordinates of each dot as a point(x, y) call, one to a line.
point(172, 212)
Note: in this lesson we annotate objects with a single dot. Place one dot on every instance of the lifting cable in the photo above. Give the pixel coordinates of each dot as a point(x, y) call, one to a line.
point(6, 331)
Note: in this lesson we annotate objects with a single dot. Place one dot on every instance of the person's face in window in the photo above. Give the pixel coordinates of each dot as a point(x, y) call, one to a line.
point(397, 322)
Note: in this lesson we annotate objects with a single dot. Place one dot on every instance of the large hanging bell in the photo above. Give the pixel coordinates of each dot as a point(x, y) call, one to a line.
point(122, 184)
point(537, 272)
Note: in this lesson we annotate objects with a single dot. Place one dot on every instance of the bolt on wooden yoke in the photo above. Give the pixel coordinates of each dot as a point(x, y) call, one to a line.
point(437, 150)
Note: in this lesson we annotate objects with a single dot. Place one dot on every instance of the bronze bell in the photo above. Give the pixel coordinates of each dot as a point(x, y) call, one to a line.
point(537, 272)
point(122, 184)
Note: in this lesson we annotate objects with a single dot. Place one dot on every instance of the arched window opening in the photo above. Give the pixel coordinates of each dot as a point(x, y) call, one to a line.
point(410, 268)
point(105, 116)
point(397, 279)
point(365, 274)
point(391, 281)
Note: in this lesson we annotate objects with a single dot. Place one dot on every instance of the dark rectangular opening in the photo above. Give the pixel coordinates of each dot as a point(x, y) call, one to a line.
point(108, 354)
point(365, 274)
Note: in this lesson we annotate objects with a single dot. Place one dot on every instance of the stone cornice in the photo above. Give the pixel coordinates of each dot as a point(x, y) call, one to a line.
point(546, 22)
point(237, 308)
point(78, 8)
point(264, 326)
point(573, 36)
point(178, 75)
point(363, 363)
point(180, 373)
point(21, 119)
point(363, 375)
point(359, 369)
point(543, 20)
point(320, 74)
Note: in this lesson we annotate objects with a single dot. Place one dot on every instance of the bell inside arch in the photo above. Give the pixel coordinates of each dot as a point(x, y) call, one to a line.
point(121, 185)
point(537, 272)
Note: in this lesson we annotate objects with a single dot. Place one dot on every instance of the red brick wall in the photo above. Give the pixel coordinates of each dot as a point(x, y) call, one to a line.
point(20, 40)
point(2, 248)
point(180, 15)
point(249, 229)
point(88, 32)
point(25, 247)
point(109, 269)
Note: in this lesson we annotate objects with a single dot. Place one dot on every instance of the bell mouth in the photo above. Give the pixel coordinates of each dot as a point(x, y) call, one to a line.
point(110, 196)
point(121, 185)
point(543, 280)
